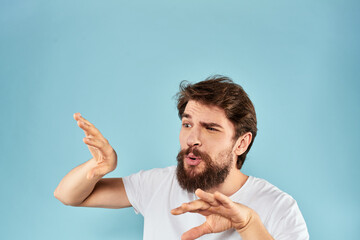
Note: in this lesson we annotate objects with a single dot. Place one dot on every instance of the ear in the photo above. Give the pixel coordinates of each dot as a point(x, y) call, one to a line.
point(243, 143)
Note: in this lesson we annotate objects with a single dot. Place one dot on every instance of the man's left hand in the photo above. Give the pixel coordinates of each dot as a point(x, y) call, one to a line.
point(221, 214)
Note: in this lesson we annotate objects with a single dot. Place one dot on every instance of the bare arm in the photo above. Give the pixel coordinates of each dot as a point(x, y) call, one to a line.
point(84, 185)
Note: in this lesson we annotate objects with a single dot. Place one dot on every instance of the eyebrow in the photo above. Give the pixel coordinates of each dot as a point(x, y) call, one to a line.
point(185, 115)
point(204, 124)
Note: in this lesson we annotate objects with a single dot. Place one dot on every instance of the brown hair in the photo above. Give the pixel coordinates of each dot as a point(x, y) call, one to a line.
point(222, 92)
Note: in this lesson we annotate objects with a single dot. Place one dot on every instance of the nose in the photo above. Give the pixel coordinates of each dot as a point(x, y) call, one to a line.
point(194, 138)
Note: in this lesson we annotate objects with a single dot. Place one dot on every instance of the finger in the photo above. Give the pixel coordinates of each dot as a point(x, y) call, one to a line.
point(190, 207)
point(203, 212)
point(94, 142)
point(224, 200)
point(78, 117)
point(196, 232)
point(89, 128)
point(207, 197)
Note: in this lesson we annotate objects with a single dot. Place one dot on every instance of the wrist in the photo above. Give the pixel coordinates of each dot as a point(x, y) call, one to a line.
point(254, 229)
point(251, 217)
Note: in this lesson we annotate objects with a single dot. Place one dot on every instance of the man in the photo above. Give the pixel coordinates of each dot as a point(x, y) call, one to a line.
point(206, 195)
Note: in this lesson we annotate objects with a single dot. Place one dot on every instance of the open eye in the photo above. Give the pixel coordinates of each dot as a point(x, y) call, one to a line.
point(186, 125)
point(211, 129)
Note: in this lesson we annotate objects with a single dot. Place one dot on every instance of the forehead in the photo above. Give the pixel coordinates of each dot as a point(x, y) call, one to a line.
point(206, 113)
point(195, 108)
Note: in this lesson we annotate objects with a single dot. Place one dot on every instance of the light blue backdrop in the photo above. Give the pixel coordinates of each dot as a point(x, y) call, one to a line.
point(119, 63)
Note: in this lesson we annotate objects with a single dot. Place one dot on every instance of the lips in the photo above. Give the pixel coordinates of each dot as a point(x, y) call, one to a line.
point(191, 159)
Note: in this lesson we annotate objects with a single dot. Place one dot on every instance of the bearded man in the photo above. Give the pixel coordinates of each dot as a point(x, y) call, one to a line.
point(205, 196)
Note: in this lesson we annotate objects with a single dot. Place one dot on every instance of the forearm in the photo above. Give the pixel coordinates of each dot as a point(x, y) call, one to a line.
point(74, 188)
point(254, 230)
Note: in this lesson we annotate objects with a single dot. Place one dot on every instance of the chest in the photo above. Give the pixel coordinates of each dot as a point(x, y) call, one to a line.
point(159, 223)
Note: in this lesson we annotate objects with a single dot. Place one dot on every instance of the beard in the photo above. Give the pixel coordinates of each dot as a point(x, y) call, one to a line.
point(212, 175)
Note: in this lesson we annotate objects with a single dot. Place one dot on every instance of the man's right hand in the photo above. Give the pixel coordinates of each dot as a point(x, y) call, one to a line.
point(84, 185)
point(103, 154)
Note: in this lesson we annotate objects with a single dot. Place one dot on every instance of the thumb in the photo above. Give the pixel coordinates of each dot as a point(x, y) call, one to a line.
point(197, 232)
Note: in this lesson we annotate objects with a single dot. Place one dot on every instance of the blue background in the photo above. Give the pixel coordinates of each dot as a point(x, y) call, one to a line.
point(119, 63)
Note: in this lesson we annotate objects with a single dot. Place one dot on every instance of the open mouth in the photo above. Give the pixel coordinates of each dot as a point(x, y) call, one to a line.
point(191, 159)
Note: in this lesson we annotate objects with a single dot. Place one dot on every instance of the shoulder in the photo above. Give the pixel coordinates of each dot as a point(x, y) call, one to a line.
point(265, 198)
point(153, 175)
point(263, 189)
point(279, 211)
point(141, 187)
point(157, 171)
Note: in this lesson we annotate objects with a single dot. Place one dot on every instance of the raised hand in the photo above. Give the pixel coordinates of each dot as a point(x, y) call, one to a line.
point(102, 152)
point(221, 214)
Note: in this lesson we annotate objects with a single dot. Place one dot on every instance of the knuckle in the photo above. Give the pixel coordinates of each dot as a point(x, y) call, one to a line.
point(101, 144)
point(184, 205)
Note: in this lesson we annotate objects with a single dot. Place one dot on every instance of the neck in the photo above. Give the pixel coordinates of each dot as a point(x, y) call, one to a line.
point(233, 182)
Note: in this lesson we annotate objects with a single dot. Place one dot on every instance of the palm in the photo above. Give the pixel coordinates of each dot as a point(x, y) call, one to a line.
point(99, 147)
point(95, 153)
point(100, 155)
point(222, 218)
point(218, 223)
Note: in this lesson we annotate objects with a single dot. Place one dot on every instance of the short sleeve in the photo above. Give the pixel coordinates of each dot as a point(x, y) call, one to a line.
point(133, 186)
point(291, 224)
point(142, 186)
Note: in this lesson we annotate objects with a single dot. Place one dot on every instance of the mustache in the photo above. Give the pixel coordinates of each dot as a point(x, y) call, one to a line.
point(196, 152)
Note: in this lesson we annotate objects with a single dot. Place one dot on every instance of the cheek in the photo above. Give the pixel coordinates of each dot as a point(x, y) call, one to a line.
point(219, 148)
point(182, 139)
point(213, 143)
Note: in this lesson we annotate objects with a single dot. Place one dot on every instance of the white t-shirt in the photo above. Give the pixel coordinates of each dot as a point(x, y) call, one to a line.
point(155, 192)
